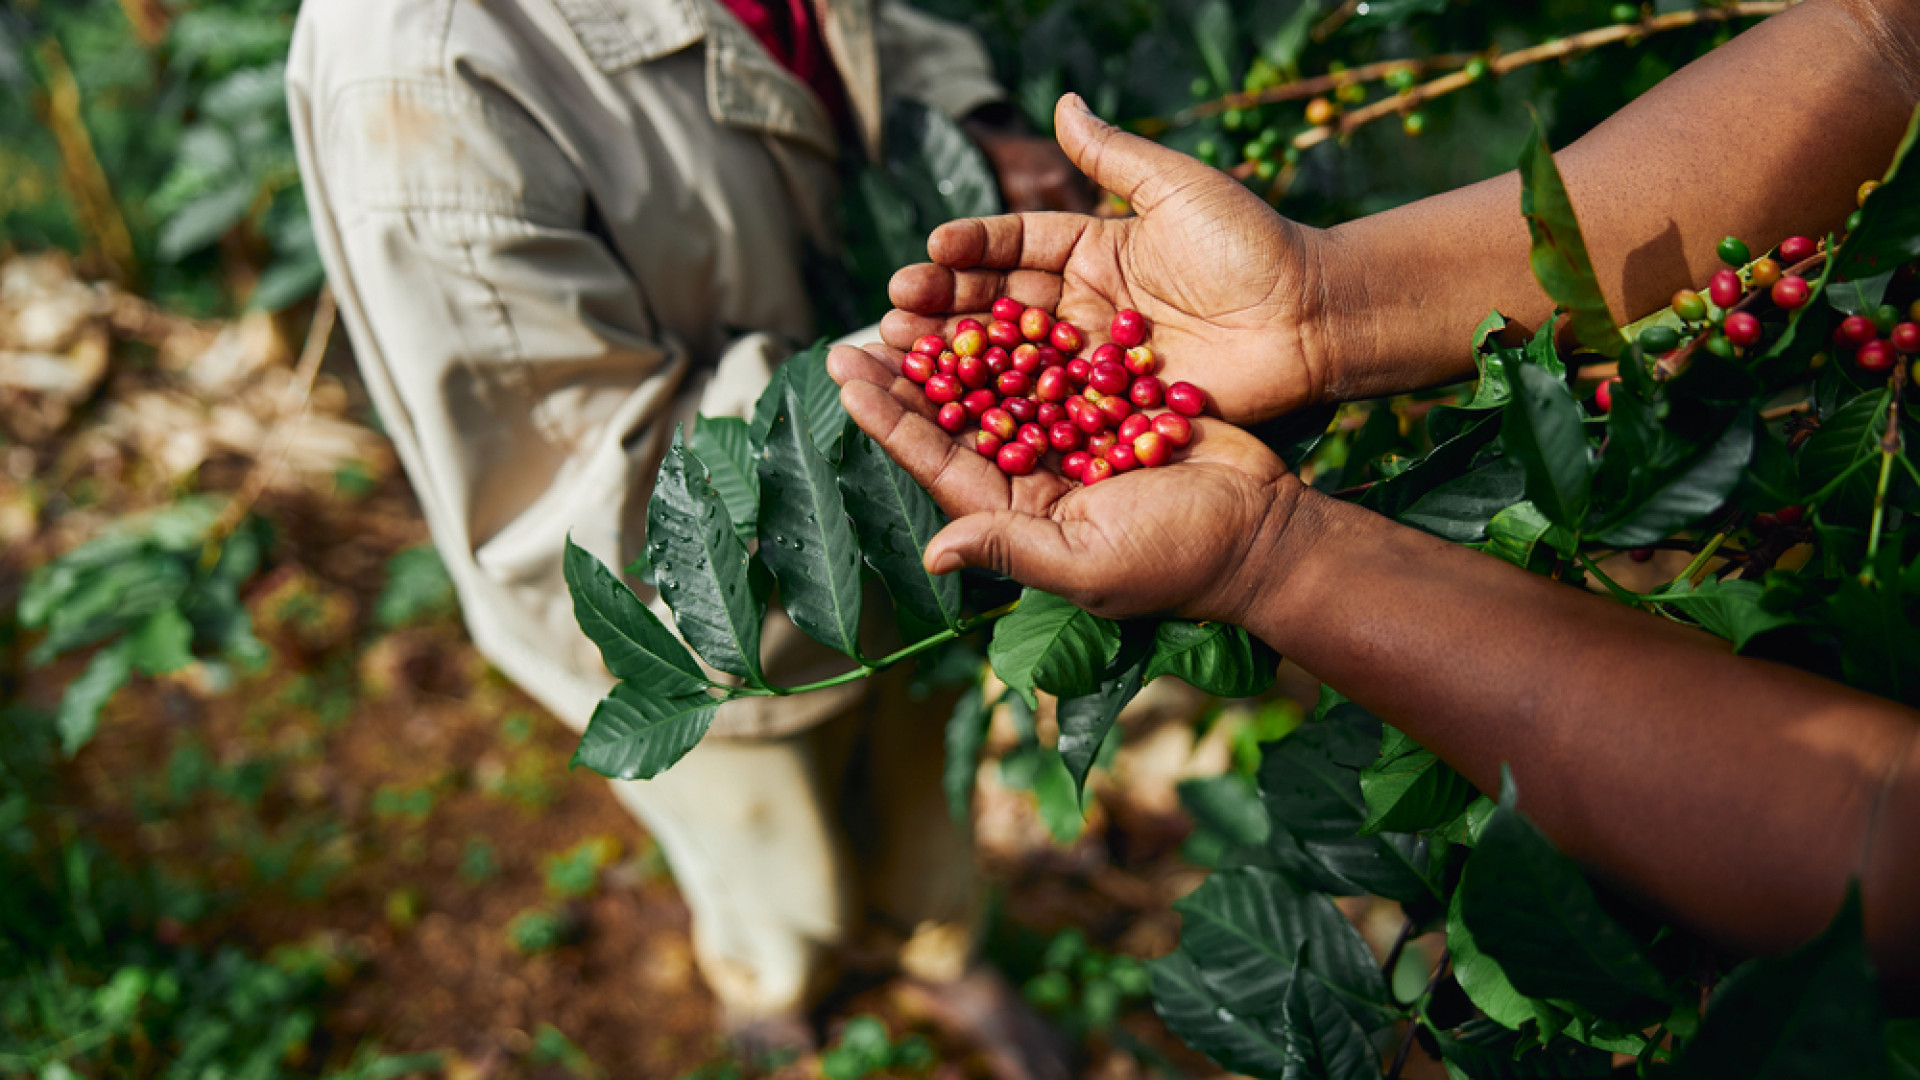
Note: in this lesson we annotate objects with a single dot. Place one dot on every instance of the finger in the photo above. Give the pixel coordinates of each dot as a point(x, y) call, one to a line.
point(959, 479)
point(1138, 170)
point(1029, 241)
point(935, 290)
point(1028, 548)
point(849, 364)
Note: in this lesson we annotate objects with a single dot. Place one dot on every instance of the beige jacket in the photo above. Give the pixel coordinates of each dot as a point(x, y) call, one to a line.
point(558, 228)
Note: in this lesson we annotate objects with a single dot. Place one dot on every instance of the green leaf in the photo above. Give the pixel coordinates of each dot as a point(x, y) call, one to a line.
point(939, 166)
point(806, 538)
point(1487, 1051)
point(1228, 805)
point(1531, 909)
point(1729, 608)
point(636, 646)
point(701, 567)
point(1670, 500)
point(1222, 660)
point(1218, 39)
point(1249, 1045)
point(1903, 1049)
point(1085, 719)
point(1814, 1012)
point(1559, 255)
point(1460, 509)
point(162, 644)
point(1310, 782)
point(1408, 789)
point(418, 588)
point(1322, 1038)
point(1479, 974)
point(205, 220)
point(1889, 232)
point(79, 714)
point(1543, 429)
point(895, 518)
point(724, 444)
point(1851, 435)
point(1243, 928)
point(1049, 644)
point(1039, 769)
point(806, 372)
point(966, 735)
point(636, 734)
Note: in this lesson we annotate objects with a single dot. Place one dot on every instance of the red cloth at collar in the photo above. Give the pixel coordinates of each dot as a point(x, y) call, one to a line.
point(790, 33)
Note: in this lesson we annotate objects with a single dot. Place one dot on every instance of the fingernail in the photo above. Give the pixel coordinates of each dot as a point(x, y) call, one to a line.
point(946, 563)
point(1078, 102)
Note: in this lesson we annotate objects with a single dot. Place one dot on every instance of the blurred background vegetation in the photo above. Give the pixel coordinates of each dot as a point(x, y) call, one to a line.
point(196, 896)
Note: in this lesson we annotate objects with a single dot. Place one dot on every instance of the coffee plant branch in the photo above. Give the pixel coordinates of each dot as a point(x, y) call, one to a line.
point(875, 667)
point(1889, 449)
point(1676, 362)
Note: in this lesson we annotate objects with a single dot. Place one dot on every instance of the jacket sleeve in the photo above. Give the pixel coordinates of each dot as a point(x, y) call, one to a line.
point(933, 61)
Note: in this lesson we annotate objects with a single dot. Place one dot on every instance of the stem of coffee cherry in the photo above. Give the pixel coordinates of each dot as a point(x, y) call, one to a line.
point(1019, 392)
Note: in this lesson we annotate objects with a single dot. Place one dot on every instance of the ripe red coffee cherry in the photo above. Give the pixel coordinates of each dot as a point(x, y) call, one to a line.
point(1108, 377)
point(1640, 554)
point(1173, 427)
point(1795, 249)
point(1100, 442)
point(973, 372)
point(1096, 470)
point(1142, 361)
point(1079, 371)
point(1186, 399)
point(1049, 413)
point(943, 388)
point(1122, 458)
point(997, 359)
point(1053, 385)
point(1116, 408)
point(1007, 309)
point(970, 343)
point(1066, 337)
point(948, 362)
point(918, 366)
point(1129, 328)
point(1004, 334)
point(1905, 337)
point(1743, 329)
point(977, 402)
point(1152, 450)
point(999, 423)
point(1791, 291)
point(1108, 353)
point(1764, 522)
point(1084, 416)
point(953, 417)
point(1133, 427)
point(1875, 356)
point(1065, 438)
point(1724, 288)
point(931, 344)
point(1026, 358)
point(1603, 395)
point(1012, 383)
point(1016, 459)
point(1074, 465)
point(965, 325)
point(1855, 331)
point(1034, 436)
point(1035, 324)
point(1051, 357)
point(1147, 392)
point(1024, 409)
point(988, 444)
point(1791, 515)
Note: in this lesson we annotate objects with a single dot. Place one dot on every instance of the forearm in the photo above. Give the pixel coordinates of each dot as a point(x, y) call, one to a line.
point(1737, 794)
point(1764, 138)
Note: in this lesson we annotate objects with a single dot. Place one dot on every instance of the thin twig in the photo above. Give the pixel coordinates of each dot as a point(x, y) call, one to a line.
point(1302, 88)
point(1393, 954)
point(293, 407)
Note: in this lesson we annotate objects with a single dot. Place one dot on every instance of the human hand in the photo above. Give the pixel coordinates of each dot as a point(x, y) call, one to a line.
point(1191, 538)
point(1034, 173)
point(1235, 293)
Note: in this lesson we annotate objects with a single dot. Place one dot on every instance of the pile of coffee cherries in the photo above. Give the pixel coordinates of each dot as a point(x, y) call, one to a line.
point(1022, 388)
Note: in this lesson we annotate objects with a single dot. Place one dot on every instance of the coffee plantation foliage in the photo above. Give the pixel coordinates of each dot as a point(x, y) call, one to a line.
point(150, 139)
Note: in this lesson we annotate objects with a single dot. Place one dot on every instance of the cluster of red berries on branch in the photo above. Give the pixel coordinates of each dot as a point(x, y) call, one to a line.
point(1023, 389)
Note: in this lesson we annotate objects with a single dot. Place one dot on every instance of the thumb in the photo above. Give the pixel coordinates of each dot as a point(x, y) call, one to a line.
point(1120, 162)
point(1031, 550)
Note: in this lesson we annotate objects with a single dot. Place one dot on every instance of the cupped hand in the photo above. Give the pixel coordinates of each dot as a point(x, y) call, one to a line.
point(1233, 291)
point(1183, 539)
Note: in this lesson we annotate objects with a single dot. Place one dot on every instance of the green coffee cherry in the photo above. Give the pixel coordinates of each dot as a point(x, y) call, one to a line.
point(1626, 13)
point(1206, 150)
point(1733, 251)
point(1884, 317)
point(1689, 305)
point(1401, 79)
point(1414, 123)
point(1718, 345)
point(1200, 87)
point(1267, 169)
point(1853, 222)
point(1659, 339)
point(1477, 68)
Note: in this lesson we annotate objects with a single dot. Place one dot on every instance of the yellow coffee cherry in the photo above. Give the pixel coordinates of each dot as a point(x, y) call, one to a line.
point(1763, 273)
point(1320, 112)
point(1866, 189)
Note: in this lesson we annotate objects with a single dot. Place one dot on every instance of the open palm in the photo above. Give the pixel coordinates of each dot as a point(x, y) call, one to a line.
point(1231, 289)
point(1170, 539)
